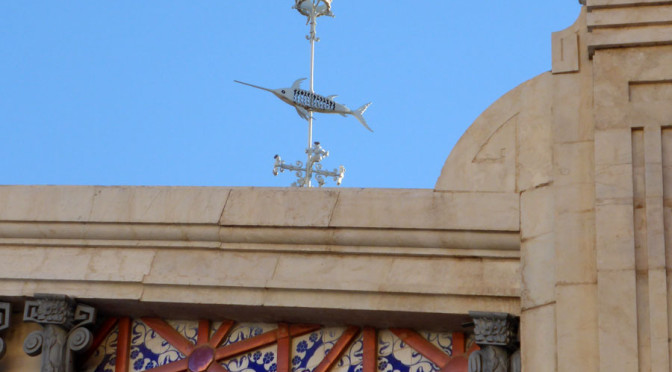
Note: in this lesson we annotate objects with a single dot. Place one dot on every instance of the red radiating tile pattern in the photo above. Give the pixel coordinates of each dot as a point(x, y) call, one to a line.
point(457, 362)
point(123, 345)
point(284, 348)
point(221, 333)
point(170, 334)
point(337, 351)
point(370, 350)
point(203, 332)
point(422, 346)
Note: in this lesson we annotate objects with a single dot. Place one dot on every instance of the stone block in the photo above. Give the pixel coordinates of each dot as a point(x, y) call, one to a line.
point(426, 209)
point(398, 275)
point(629, 37)
point(46, 203)
point(648, 114)
point(577, 328)
point(213, 268)
point(575, 254)
point(573, 198)
point(613, 146)
point(653, 159)
point(116, 265)
point(573, 119)
point(629, 16)
point(337, 272)
point(565, 46)
point(279, 207)
point(112, 204)
point(610, 87)
point(617, 321)
point(654, 229)
point(650, 91)
point(197, 205)
point(573, 163)
point(75, 289)
point(615, 237)
point(538, 335)
point(536, 212)
point(538, 271)
point(658, 310)
point(533, 143)
point(614, 182)
point(666, 139)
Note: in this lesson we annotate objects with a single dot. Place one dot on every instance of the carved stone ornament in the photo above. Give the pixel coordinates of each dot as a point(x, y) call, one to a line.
point(63, 332)
point(499, 329)
point(497, 335)
point(5, 314)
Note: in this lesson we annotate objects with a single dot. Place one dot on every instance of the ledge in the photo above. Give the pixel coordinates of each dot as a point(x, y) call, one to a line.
point(342, 250)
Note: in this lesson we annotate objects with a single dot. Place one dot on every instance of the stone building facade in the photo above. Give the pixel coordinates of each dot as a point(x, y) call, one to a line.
point(548, 230)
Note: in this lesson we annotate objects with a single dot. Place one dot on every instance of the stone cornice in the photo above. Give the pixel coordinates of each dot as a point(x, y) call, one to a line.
point(414, 251)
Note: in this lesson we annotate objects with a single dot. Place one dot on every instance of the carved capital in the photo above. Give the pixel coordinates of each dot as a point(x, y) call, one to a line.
point(5, 315)
point(497, 329)
point(63, 333)
point(497, 335)
point(50, 309)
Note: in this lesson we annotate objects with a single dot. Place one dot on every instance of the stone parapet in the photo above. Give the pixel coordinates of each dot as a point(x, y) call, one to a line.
point(412, 251)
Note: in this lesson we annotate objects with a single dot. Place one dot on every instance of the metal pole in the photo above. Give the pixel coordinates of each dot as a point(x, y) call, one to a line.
point(313, 24)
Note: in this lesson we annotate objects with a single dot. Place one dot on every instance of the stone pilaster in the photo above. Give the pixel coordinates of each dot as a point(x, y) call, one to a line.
point(63, 332)
point(5, 315)
point(497, 335)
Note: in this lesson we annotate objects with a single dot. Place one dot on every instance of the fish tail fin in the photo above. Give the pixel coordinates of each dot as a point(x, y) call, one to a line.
point(359, 115)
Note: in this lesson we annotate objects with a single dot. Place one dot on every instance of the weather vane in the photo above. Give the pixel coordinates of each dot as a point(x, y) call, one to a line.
point(307, 102)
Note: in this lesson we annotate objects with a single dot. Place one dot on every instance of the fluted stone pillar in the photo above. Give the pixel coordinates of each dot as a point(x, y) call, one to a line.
point(5, 315)
point(497, 335)
point(63, 330)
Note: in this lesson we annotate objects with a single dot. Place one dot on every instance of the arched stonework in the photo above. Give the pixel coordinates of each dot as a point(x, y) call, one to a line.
point(507, 148)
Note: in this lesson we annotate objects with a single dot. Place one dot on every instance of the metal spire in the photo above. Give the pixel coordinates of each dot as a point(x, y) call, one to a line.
point(311, 9)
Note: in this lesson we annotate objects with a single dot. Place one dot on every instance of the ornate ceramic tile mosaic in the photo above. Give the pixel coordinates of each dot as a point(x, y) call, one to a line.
point(149, 350)
point(394, 355)
point(243, 331)
point(103, 359)
point(309, 350)
point(443, 341)
point(261, 360)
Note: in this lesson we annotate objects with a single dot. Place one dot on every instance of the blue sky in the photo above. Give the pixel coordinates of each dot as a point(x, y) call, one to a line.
point(141, 92)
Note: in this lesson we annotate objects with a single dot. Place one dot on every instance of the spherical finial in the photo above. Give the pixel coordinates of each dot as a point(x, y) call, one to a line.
point(317, 8)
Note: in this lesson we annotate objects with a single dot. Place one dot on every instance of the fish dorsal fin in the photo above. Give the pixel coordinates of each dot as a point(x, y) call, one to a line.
point(297, 83)
point(332, 96)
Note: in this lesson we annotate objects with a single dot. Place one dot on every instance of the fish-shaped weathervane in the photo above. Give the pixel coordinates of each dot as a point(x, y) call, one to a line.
point(304, 101)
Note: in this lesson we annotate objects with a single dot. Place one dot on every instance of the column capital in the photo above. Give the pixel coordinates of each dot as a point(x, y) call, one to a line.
point(497, 335)
point(63, 331)
point(497, 329)
point(5, 315)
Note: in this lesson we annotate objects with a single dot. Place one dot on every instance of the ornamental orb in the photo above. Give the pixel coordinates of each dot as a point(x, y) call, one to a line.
point(316, 7)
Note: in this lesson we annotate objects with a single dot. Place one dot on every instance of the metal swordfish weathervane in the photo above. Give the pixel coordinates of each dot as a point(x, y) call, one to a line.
point(307, 102)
